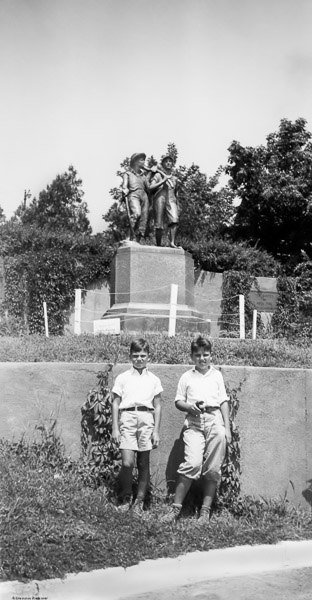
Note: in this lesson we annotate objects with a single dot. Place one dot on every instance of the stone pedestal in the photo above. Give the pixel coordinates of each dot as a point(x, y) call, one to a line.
point(141, 285)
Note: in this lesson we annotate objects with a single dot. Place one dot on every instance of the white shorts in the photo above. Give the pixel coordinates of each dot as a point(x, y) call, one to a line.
point(136, 429)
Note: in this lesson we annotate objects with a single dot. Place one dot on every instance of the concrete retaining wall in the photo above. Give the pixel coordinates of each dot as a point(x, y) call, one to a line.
point(275, 418)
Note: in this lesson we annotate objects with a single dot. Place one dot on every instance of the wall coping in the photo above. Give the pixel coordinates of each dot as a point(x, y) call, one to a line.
point(161, 365)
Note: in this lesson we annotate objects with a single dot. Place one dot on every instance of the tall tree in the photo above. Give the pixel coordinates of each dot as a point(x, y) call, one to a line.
point(274, 185)
point(60, 206)
point(49, 251)
point(2, 215)
point(203, 204)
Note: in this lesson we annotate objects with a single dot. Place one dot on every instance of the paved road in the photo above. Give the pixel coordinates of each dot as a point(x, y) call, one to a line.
point(277, 585)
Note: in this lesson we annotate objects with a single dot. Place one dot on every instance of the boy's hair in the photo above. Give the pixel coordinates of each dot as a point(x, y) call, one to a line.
point(201, 343)
point(139, 345)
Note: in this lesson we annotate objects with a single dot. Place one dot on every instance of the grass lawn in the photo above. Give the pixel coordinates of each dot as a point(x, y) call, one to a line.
point(53, 524)
point(163, 350)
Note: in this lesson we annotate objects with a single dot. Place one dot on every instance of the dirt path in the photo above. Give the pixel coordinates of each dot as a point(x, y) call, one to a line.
point(278, 585)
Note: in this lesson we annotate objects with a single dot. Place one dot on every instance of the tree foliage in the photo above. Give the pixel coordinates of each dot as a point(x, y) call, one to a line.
point(203, 204)
point(60, 206)
point(274, 184)
point(293, 315)
point(2, 215)
point(206, 216)
point(49, 251)
point(218, 254)
point(303, 274)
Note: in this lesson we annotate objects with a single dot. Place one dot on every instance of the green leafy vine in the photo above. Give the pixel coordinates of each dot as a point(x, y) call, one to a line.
point(101, 456)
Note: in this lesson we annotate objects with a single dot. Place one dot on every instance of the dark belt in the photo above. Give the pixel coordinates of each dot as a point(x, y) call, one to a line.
point(141, 408)
point(209, 409)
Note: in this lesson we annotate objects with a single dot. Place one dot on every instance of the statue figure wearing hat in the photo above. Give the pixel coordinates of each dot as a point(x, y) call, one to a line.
point(135, 188)
point(165, 187)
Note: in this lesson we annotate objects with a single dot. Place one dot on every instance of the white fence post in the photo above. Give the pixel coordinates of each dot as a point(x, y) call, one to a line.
point(173, 310)
point(45, 314)
point(241, 316)
point(77, 325)
point(254, 324)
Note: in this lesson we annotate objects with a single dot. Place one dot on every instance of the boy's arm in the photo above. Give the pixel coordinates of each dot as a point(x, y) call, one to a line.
point(224, 407)
point(157, 417)
point(115, 419)
point(181, 399)
point(184, 406)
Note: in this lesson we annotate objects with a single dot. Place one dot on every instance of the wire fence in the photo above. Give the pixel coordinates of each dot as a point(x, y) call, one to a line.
point(162, 287)
point(110, 322)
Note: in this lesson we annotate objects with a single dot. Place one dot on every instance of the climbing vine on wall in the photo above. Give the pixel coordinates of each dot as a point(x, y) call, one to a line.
point(229, 489)
point(101, 456)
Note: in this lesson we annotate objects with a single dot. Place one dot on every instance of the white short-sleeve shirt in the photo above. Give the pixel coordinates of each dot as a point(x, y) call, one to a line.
point(208, 388)
point(137, 389)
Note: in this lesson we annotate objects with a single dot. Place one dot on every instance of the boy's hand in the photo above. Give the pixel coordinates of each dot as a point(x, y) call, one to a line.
point(228, 435)
point(116, 436)
point(194, 410)
point(155, 439)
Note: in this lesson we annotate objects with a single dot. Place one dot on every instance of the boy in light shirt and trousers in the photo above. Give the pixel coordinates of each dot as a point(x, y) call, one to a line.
point(202, 396)
point(136, 412)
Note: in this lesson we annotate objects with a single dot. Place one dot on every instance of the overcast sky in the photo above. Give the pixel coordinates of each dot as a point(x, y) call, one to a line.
point(88, 82)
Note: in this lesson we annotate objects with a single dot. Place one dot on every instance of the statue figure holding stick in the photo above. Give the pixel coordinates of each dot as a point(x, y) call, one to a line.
point(135, 189)
point(165, 187)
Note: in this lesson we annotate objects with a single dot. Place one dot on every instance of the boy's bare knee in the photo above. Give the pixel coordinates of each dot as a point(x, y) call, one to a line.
point(212, 476)
point(128, 463)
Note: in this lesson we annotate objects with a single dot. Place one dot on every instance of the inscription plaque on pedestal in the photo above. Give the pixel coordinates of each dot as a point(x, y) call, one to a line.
point(264, 297)
point(263, 301)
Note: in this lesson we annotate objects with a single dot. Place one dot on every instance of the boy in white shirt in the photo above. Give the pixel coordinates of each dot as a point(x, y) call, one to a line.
point(136, 412)
point(201, 394)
